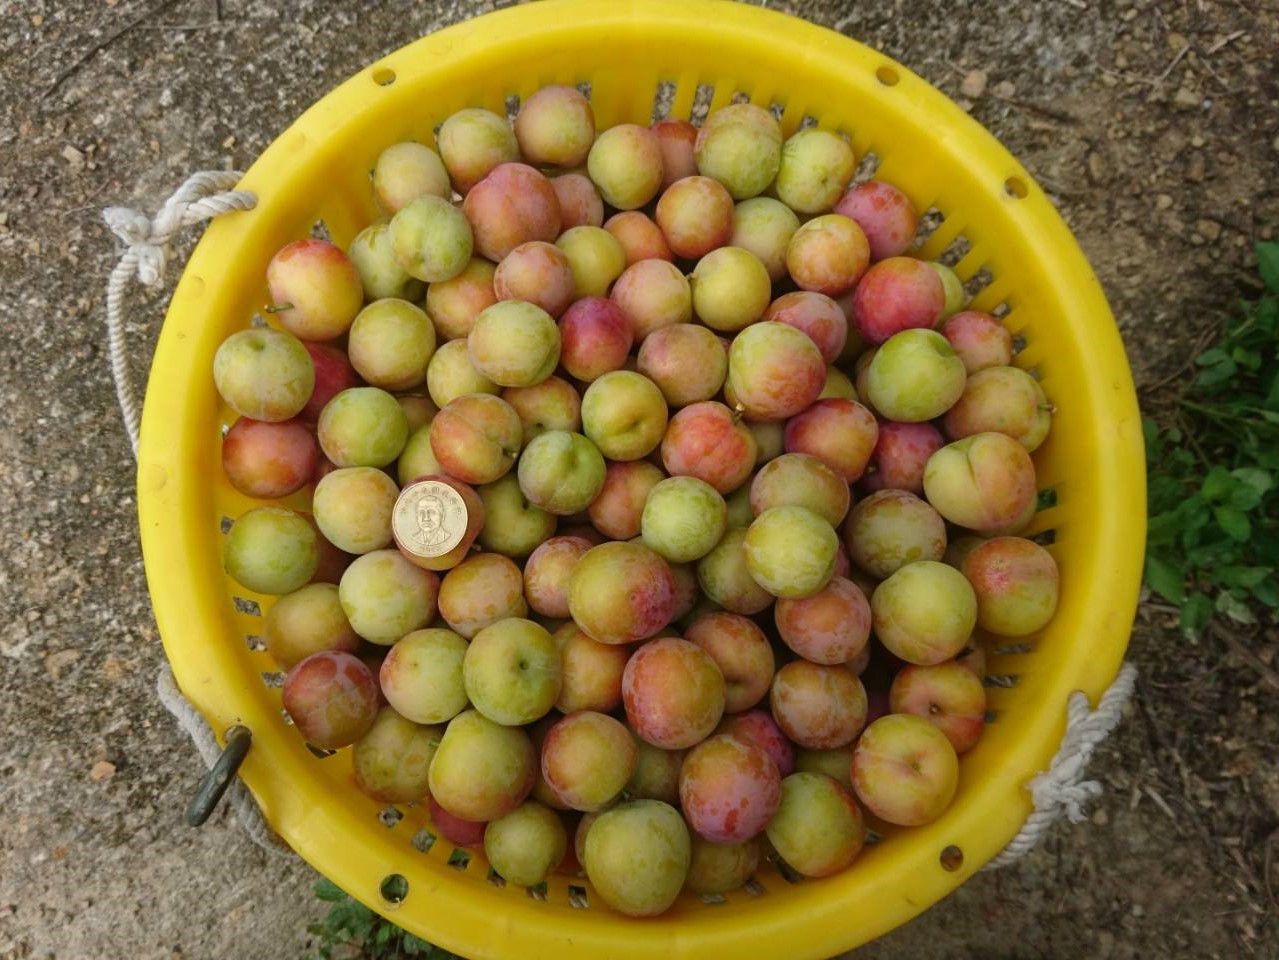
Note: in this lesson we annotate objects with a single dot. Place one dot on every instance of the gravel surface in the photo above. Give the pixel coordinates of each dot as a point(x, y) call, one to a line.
point(1154, 125)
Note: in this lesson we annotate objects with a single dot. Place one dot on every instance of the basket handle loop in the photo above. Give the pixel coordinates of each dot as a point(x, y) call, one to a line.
point(204, 195)
point(1062, 787)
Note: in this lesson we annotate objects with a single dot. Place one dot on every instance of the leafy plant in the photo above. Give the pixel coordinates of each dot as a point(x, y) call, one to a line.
point(351, 930)
point(1213, 538)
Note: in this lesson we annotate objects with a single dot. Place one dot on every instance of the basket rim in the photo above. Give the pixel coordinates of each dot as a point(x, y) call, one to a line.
point(172, 520)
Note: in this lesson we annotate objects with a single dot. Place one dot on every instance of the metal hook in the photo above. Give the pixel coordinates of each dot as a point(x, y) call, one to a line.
point(220, 775)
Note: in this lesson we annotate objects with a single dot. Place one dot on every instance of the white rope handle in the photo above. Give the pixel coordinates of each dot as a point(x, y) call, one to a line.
point(1062, 787)
point(204, 195)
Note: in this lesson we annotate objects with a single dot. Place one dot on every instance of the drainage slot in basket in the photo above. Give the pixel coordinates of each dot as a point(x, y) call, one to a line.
point(254, 642)
point(250, 607)
point(873, 838)
point(739, 96)
point(423, 841)
point(320, 753)
point(394, 888)
point(1045, 538)
point(789, 873)
point(284, 715)
point(713, 899)
point(257, 321)
point(1047, 498)
point(584, 88)
point(577, 898)
point(226, 523)
point(807, 122)
point(866, 168)
point(383, 76)
point(955, 251)
point(1019, 343)
point(663, 98)
point(512, 106)
point(1001, 680)
point(389, 816)
point(1003, 648)
point(952, 858)
point(888, 75)
point(538, 892)
point(320, 231)
point(702, 98)
point(496, 878)
point(776, 110)
point(978, 282)
point(1016, 187)
point(927, 224)
point(991, 716)
point(1001, 310)
point(459, 859)
point(222, 432)
point(754, 888)
point(274, 679)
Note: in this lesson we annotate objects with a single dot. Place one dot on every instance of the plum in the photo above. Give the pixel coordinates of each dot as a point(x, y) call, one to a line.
point(433, 240)
point(271, 550)
point(472, 142)
point(555, 126)
point(405, 171)
point(308, 620)
point(264, 374)
point(315, 289)
point(625, 162)
point(390, 344)
point(268, 460)
point(815, 168)
point(391, 761)
point(331, 697)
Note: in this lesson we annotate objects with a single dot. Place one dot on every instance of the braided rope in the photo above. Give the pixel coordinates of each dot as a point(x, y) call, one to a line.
point(1062, 787)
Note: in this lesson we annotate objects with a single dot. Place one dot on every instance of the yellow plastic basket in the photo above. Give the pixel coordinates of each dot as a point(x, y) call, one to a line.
point(318, 169)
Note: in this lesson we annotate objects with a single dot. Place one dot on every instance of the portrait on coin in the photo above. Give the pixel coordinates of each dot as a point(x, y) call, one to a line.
point(432, 530)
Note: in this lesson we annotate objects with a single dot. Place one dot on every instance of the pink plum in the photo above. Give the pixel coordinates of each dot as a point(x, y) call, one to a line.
point(818, 706)
point(828, 254)
point(580, 203)
point(596, 337)
point(774, 370)
point(479, 591)
point(308, 620)
point(454, 304)
point(333, 374)
point(1017, 585)
point(618, 509)
point(653, 294)
point(947, 695)
point(796, 479)
point(621, 592)
point(552, 404)
point(840, 433)
point(269, 460)
point(625, 162)
point(832, 626)
point(905, 770)
point(673, 692)
point(980, 340)
point(547, 572)
point(537, 272)
point(900, 293)
point(758, 727)
point(884, 213)
point(555, 126)
point(513, 204)
point(742, 653)
point(816, 315)
point(587, 758)
point(1003, 400)
point(462, 833)
point(331, 697)
point(901, 453)
point(892, 528)
point(705, 440)
point(316, 289)
point(686, 361)
point(675, 138)
point(696, 216)
point(985, 482)
point(639, 236)
point(729, 789)
point(592, 671)
point(476, 438)
point(818, 829)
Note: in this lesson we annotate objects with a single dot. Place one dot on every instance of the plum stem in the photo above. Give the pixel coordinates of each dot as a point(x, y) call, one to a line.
point(278, 307)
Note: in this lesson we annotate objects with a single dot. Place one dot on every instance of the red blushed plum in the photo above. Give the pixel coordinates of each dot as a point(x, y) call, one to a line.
point(675, 138)
point(729, 789)
point(547, 572)
point(625, 163)
point(980, 340)
point(673, 692)
point(459, 832)
point(725, 578)
point(472, 142)
point(742, 653)
point(555, 126)
point(948, 696)
point(271, 550)
point(592, 671)
point(900, 293)
point(774, 370)
point(731, 289)
point(817, 315)
point(333, 374)
point(269, 460)
point(513, 204)
point(706, 441)
point(264, 374)
point(307, 621)
point(818, 706)
point(884, 213)
point(985, 482)
point(892, 528)
point(687, 592)
point(480, 591)
point(840, 433)
point(1003, 400)
point(552, 404)
point(580, 203)
point(595, 338)
point(405, 171)
point(331, 698)
point(318, 288)
point(391, 761)
point(640, 237)
point(653, 294)
point(1017, 585)
point(686, 361)
point(621, 592)
point(828, 254)
point(696, 216)
point(924, 613)
point(796, 479)
point(537, 272)
point(619, 508)
point(454, 304)
point(587, 758)
point(476, 438)
point(759, 727)
point(901, 453)
point(829, 627)
point(818, 829)
point(482, 769)
point(904, 770)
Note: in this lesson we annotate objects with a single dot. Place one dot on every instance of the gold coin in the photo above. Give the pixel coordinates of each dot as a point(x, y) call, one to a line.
point(429, 518)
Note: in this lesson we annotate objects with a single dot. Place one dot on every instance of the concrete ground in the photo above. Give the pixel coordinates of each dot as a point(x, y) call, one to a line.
point(1154, 123)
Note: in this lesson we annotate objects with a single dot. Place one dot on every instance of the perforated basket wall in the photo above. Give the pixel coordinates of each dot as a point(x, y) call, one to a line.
point(993, 222)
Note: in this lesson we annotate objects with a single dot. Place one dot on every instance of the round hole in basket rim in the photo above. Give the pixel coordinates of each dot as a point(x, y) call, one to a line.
point(990, 209)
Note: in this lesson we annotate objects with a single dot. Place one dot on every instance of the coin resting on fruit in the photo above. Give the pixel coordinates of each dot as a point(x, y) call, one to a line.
point(645, 514)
